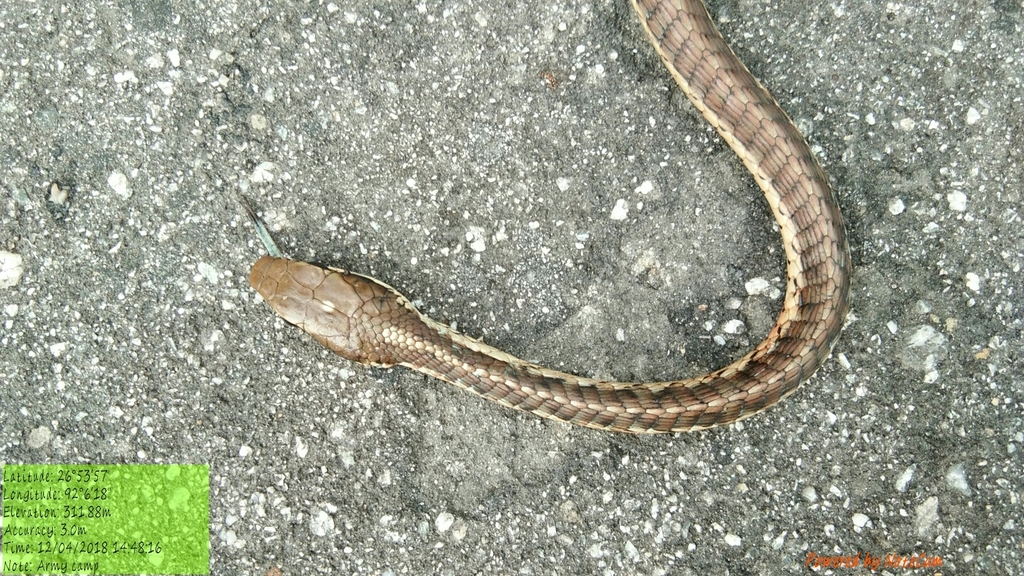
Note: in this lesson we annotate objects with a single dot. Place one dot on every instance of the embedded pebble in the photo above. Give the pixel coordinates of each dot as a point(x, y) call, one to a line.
point(645, 187)
point(38, 437)
point(956, 479)
point(210, 340)
point(926, 515)
point(443, 522)
point(809, 494)
point(126, 76)
point(20, 196)
point(475, 237)
point(208, 272)
point(973, 281)
point(896, 207)
point(904, 480)
point(924, 347)
point(11, 269)
point(860, 520)
point(301, 449)
point(761, 287)
point(973, 115)
point(620, 210)
point(118, 182)
point(58, 195)
point(264, 172)
point(756, 286)
point(321, 524)
point(733, 540)
point(957, 201)
point(563, 183)
point(347, 459)
point(734, 327)
point(631, 552)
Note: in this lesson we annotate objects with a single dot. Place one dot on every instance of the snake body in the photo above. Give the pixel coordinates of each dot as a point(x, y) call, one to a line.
point(367, 321)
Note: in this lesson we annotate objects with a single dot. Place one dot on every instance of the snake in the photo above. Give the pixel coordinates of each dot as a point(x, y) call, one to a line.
point(367, 321)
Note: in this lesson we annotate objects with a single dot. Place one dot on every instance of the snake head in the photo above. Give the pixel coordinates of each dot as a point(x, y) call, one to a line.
point(342, 311)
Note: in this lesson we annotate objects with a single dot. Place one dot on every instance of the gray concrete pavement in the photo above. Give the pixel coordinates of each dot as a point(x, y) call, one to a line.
point(472, 154)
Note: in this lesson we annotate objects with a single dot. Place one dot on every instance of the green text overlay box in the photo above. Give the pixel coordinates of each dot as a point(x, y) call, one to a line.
point(96, 519)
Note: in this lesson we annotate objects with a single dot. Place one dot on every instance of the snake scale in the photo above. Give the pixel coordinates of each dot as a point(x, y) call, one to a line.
point(367, 321)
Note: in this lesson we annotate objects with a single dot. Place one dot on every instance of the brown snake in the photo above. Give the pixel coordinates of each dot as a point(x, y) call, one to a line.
point(369, 322)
